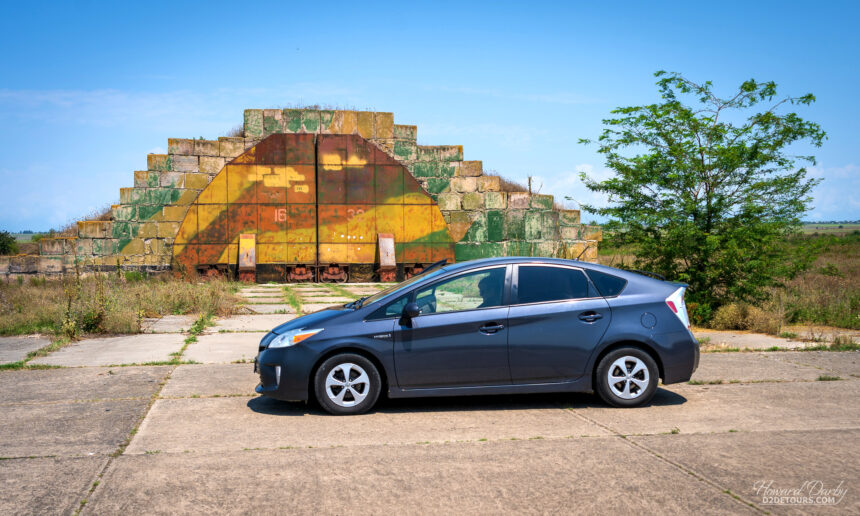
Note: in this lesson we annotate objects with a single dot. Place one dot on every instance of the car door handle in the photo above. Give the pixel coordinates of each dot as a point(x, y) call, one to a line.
point(590, 317)
point(491, 328)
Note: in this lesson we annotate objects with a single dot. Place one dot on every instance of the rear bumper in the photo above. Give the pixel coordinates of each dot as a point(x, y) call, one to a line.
point(284, 373)
point(682, 357)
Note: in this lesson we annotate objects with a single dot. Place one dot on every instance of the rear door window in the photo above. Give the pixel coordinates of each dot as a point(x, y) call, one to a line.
point(541, 284)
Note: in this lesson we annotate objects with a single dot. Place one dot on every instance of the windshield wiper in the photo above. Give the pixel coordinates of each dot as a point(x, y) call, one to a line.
point(357, 303)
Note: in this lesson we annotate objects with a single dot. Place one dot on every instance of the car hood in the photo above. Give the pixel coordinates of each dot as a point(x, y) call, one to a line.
point(316, 319)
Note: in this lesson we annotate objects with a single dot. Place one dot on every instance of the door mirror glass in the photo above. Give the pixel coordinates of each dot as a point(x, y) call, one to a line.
point(411, 310)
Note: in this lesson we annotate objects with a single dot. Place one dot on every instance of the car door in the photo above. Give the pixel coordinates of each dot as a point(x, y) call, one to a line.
point(461, 337)
point(555, 320)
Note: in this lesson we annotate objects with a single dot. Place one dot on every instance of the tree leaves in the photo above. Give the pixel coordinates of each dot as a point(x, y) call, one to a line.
point(705, 187)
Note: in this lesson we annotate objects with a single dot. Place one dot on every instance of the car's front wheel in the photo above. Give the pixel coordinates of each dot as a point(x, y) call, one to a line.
point(627, 377)
point(347, 384)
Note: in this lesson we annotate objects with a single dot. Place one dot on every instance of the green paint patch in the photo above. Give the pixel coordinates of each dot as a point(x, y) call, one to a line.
point(495, 225)
point(292, 120)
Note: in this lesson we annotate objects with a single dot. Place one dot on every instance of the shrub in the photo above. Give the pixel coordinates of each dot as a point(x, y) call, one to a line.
point(8, 244)
point(740, 316)
point(729, 317)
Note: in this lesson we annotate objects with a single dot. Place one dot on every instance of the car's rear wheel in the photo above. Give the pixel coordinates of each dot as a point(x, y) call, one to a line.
point(627, 377)
point(347, 384)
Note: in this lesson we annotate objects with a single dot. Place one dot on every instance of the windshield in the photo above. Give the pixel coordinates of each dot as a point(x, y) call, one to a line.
point(400, 286)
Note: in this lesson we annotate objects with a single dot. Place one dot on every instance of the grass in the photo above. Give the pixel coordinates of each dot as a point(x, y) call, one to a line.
point(828, 378)
point(292, 298)
point(342, 292)
point(105, 303)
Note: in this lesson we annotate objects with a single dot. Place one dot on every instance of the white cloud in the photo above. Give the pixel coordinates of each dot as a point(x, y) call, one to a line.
point(837, 197)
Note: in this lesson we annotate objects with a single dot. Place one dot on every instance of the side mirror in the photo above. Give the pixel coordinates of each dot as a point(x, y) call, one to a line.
point(411, 310)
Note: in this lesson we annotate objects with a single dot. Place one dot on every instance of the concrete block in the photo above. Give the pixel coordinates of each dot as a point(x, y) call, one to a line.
point(145, 178)
point(51, 265)
point(365, 121)
point(471, 169)
point(161, 196)
point(310, 121)
point(569, 232)
point(450, 152)
point(447, 168)
point(495, 225)
point(489, 184)
point(437, 185)
point(250, 142)
point(171, 179)
point(548, 248)
point(24, 264)
point(124, 229)
point(292, 120)
point(186, 197)
point(428, 153)
point(154, 246)
point(185, 164)
point(550, 225)
point(148, 230)
point(519, 248)
point(168, 229)
point(51, 246)
point(94, 229)
point(464, 184)
point(158, 162)
point(518, 200)
point(542, 202)
point(478, 229)
point(149, 211)
point(132, 247)
point(83, 246)
point(496, 200)
point(387, 145)
point(124, 212)
point(449, 201)
point(180, 146)
point(515, 225)
point(206, 147)
point(104, 246)
point(173, 213)
point(473, 251)
point(406, 132)
point(197, 181)
point(344, 122)
point(131, 195)
point(592, 233)
point(421, 169)
point(212, 164)
point(473, 201)
point(273, 121)
point(384, 125)
point(568, 217)
point(405, 150)
point(326, 118)
point(230, 147)
point(533, 225)
point(253, 123)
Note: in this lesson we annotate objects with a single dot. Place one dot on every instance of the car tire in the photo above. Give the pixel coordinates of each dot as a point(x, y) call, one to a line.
point(626, 377)
point(347, 384)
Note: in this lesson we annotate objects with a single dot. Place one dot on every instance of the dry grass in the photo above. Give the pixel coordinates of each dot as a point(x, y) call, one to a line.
point(70, 229)
point(105, 303)
point(826, 294)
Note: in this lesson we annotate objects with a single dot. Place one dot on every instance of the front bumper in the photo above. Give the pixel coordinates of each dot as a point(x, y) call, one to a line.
point(284, 372)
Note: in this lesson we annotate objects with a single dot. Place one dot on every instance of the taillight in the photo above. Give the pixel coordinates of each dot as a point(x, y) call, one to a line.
point(675, 302)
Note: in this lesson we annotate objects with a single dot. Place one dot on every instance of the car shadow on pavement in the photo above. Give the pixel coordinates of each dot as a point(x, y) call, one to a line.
point(273, 407)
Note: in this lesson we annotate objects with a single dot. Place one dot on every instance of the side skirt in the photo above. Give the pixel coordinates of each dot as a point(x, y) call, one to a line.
point(582, 384)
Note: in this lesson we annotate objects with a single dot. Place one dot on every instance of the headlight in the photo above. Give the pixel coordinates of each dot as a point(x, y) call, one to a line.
point(291, 338)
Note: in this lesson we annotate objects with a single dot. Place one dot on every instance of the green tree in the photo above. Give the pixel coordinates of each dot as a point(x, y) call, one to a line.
point(8, 244)
point(707, 191)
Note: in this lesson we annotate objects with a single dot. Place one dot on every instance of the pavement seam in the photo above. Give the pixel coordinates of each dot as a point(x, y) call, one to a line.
point(677, 465)
point(197, 328)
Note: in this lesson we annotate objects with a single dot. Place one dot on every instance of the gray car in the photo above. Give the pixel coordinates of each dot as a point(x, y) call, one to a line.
point(492, 326)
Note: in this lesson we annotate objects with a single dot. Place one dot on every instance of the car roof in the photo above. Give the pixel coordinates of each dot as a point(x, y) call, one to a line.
point(504, 260)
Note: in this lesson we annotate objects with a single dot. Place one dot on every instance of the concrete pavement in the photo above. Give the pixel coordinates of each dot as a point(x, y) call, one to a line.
point(195, 438)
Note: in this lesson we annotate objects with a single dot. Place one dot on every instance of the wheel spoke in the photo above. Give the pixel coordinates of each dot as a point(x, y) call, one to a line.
point(349, 394)
point(626, 392)
point(358, 396)
point(615, 379)
point(362, 379)
point(346, 368)
point(642, 384)
point(331, 381)
point(638, 367)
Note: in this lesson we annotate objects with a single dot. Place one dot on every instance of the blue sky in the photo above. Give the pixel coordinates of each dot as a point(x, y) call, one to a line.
point(87, 89)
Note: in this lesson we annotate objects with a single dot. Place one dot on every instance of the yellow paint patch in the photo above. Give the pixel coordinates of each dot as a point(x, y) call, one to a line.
point(335, 162)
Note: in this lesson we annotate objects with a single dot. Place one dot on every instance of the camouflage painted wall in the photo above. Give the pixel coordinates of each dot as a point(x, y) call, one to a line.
point(481, 219)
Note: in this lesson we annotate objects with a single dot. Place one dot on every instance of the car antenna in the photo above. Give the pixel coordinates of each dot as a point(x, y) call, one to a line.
point(433, 265)
point(583, 252)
